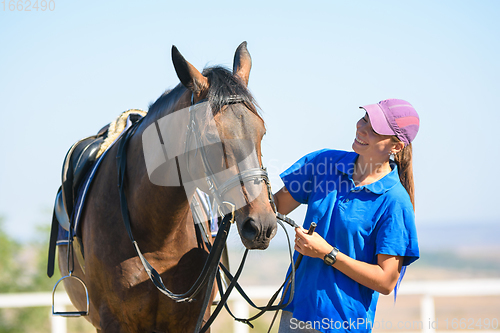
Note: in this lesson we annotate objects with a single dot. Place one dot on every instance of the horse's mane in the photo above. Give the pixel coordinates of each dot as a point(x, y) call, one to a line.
point(223, 86)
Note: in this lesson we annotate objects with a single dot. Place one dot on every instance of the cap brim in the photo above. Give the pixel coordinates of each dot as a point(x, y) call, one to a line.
point(378, 120)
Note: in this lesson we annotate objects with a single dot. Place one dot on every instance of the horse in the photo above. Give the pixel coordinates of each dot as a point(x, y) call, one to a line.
point(122, 299)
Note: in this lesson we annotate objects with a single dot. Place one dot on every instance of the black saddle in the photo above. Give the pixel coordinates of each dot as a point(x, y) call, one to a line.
point(78, 161)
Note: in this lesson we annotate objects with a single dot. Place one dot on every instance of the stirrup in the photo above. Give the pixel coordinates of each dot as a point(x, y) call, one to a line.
point(71, 313)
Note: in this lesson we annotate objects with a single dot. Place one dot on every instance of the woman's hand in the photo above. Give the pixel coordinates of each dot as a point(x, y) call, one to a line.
point(313, 245)
point(381, 277)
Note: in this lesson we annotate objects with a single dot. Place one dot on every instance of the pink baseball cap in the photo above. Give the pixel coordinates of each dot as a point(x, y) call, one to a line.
point(394, 117)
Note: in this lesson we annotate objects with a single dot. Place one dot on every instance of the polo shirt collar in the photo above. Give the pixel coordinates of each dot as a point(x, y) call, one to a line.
point(346, 166)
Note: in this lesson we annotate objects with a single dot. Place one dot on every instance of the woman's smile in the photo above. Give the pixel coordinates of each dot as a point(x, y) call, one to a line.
point(360, 142)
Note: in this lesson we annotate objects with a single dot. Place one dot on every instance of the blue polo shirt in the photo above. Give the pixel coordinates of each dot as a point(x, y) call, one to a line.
point(361, 221)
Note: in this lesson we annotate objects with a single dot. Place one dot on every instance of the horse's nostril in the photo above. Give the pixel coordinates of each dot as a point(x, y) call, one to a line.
point(249, 229)
point(270, 232)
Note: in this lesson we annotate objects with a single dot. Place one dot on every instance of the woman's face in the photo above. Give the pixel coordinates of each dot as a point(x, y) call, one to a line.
point(370, 144)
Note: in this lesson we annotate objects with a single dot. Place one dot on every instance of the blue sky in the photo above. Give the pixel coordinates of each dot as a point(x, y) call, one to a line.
point(67, 72)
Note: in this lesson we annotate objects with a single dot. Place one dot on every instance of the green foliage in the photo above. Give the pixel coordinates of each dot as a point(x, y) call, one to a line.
point(23, 269)
point(9, 249)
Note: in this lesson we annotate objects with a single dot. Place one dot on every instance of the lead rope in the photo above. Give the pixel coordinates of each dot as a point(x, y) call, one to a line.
point(289, 281)
point(233, 283)
point(294, 268)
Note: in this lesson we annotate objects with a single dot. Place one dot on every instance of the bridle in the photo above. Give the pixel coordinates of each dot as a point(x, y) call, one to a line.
point(211, 267)
point(216, 189)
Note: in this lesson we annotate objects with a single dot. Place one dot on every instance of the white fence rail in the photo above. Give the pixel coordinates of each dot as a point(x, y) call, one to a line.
point(426, 289)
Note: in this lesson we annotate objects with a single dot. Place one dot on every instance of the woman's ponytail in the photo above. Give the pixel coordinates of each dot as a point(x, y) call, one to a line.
point(403, 160)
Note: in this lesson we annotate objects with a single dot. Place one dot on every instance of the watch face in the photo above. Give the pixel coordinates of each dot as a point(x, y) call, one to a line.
point(328, 260)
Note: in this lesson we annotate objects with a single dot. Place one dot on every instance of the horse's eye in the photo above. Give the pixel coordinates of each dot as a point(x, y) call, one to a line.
point(212, 137)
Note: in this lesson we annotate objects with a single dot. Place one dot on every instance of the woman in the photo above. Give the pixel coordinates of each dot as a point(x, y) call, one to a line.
point(363, 204)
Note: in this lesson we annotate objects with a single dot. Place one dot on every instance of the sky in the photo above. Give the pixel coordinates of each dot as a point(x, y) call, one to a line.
point(67, 71)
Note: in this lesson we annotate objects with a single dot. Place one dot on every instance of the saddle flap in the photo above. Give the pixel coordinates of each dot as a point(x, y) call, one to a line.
point(86, 159)
point(77, 163)
point(60, 211)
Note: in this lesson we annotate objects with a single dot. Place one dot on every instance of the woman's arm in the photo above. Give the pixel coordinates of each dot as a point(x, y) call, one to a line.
point(381, 277)
point(284, 201)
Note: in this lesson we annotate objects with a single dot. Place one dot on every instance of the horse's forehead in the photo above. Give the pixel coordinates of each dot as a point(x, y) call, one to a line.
point(238, 121)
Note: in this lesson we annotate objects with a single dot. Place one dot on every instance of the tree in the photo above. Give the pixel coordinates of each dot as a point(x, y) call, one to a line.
point(9, 266)
point(22, 269)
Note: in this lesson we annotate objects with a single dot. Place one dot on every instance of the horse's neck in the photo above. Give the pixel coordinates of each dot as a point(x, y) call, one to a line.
point(160, 207)
point(163, 206)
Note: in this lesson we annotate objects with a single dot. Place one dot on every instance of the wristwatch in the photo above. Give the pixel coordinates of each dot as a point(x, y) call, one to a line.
point(331, 257)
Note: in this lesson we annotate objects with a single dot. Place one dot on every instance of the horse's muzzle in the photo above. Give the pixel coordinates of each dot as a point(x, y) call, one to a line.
point(257, 234)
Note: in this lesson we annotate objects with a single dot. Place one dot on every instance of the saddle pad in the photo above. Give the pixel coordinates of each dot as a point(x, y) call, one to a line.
point(63, 235)
point(117, 127)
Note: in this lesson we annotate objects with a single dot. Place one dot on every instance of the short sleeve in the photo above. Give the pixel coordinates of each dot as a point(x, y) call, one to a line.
point(298, 178)
point(397, 235)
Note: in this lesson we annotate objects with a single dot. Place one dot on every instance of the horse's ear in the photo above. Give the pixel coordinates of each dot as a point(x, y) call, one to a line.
point(189, 76)
point(242, 63)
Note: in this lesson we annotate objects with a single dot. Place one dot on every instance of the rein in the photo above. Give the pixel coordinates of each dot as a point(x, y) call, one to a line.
point(211, 267)
point(212, 261)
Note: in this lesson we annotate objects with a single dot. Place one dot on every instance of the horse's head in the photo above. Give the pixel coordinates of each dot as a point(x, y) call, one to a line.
point(231, 137)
